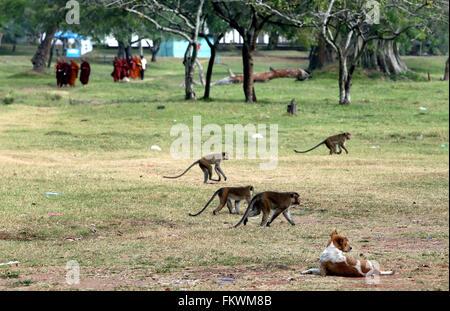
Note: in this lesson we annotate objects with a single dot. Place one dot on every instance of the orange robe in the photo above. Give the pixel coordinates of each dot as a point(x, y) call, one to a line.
point(138, 67)
point(133, 68)
point(73, 73)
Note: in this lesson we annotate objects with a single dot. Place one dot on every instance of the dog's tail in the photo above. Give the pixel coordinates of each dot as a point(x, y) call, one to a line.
point(311, 271)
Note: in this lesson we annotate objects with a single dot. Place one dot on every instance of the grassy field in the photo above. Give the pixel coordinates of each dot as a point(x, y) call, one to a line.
point(129, 228)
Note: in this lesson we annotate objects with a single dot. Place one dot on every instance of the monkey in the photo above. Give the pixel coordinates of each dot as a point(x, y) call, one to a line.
point(279, 202)
point(205, 164)
point(226, 194)
point(332, 143)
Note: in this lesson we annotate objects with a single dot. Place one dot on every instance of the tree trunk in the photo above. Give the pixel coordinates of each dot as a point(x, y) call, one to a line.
point(13, 50)
point(141, 48)
point(120, 50)
point(128, 53)
point(210, 69)
point(321, 55)
point(64, 47)
point(1, 36)
point(155, 49)
point(383, 56)
point(189, 65)
point(201, 74)
point(212, 59)
point(446, 73)
point(153, 57)
point(247, 59)
point(273, 40)
point(40, 57)
point(344, 82)
point(50, 58)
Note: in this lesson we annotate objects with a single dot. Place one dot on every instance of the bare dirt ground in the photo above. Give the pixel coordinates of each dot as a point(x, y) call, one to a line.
point(402, 243)
point(274, 276)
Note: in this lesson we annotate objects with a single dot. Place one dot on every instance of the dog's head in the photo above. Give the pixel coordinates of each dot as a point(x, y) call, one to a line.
point(340, 242)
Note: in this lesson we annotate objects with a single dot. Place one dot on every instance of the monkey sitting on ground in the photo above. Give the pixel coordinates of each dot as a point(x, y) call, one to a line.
point(265, 202)
point(205, 164)
point(332, 143)
point(226, 194)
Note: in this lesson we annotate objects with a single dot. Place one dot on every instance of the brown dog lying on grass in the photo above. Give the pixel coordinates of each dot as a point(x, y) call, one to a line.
point(334, 262)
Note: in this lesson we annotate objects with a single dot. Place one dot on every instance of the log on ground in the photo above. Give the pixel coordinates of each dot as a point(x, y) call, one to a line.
point(299, 74)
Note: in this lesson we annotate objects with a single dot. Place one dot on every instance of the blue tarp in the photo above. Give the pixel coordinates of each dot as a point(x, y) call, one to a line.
point(177, 48)
point(67, 35)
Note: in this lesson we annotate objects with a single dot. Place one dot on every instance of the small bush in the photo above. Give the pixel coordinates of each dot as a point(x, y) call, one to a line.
point(22, 283)
point(10, 275)
point(409, 75)
point(8, 100)
point(375, 75)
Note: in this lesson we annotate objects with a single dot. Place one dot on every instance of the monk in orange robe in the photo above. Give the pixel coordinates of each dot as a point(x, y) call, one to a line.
point(59, 72)
point(138, 67)
point(74, 68)
point(116, 74)
point(133, 68)
point(66, 73)
point(85, 71)
point(125, 69)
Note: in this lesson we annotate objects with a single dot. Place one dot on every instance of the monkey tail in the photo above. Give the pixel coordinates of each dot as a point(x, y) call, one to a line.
point(210, 200)
point(310, 149)
point(249, 207)
point(173, 177)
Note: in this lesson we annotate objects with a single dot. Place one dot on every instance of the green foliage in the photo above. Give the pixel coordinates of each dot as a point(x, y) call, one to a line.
point(22, 283)
point(8, 100)
point(9, 275)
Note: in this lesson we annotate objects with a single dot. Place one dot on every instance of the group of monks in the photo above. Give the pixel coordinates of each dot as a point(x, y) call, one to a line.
point(66, 74)
point(130, 69)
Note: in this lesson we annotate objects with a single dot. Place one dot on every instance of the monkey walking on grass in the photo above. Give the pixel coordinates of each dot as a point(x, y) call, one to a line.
point(226, 194)
point(205, 163)
point(271, 202)
point(332, 143)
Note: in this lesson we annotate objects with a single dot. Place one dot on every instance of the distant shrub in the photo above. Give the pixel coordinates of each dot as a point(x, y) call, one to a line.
point(409, 75)
point(10, 275)
point(8, 100)
point(375, 74)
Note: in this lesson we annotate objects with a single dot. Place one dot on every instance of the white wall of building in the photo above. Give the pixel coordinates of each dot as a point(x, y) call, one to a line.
point(233, 37)
point(111, 42)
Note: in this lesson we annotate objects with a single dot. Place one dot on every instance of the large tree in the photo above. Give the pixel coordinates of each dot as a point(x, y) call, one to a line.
point(41, 17)
point(383, 56)
point(47, 16)
point(348, 26)
point(179, 18)
point(213, 30)
point(321, 54)
point(248, 21)
point(100, 22)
